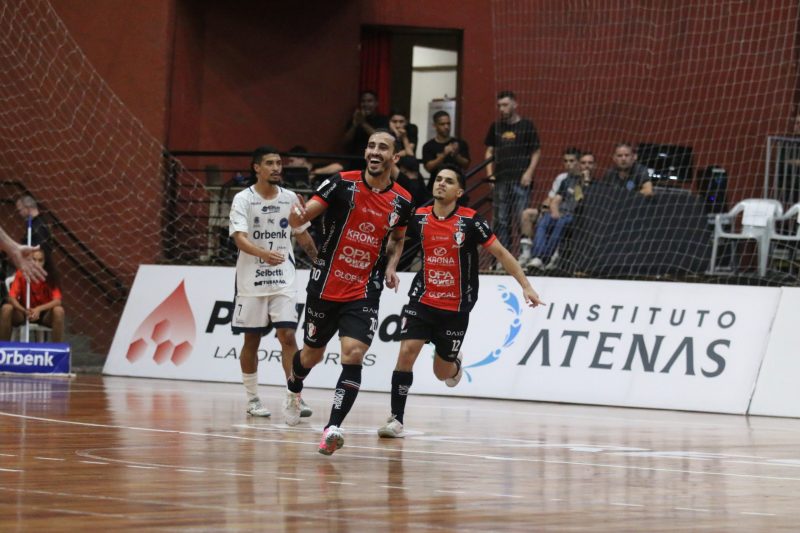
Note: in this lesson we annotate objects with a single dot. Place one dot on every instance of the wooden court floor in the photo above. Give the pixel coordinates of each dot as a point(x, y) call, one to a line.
point(100, 453)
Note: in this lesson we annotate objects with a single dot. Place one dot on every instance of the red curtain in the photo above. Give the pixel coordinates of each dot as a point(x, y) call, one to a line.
point(376, 66)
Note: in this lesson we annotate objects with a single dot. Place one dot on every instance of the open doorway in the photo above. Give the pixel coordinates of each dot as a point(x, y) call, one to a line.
point(416, 71)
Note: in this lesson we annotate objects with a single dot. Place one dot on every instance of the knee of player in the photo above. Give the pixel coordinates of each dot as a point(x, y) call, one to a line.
point(58, 313)
point(353, 355)
point(287, 338)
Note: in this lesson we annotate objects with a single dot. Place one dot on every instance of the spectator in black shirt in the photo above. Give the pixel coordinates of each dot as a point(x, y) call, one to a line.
point(364, 123)
point(406, 134)
point(514, 143)
point(40, 232)
point(443, 149)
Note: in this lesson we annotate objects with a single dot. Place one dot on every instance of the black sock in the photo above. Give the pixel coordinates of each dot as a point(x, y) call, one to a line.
point(299, 373)
point(345, 394)
point(401, 383)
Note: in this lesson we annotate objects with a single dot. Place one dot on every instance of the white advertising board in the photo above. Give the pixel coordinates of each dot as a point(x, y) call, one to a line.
point(777, 392)
point(639, 344)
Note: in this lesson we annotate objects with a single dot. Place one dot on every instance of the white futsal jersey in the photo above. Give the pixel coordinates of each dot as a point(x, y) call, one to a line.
point(266, 223)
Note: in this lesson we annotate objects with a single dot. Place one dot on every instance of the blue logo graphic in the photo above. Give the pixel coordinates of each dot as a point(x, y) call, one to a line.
point(513, 306)
point(284, 222)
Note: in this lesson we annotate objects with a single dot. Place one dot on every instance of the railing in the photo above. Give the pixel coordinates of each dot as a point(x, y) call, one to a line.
point(93, 269)
point(223, 174)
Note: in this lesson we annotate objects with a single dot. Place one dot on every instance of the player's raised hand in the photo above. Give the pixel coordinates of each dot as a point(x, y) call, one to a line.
point(297, 215)
point(531, 297)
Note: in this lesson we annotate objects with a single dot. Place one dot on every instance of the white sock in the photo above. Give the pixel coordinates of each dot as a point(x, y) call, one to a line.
point(250, 385)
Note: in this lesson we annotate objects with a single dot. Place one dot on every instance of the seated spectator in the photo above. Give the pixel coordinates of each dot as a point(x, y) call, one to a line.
point(627, 173)
point(315, 172)
point(443, 149)
point(551, 227)
point(405, 133)
point(45, 301)
point(570, 158)
point(364, 122)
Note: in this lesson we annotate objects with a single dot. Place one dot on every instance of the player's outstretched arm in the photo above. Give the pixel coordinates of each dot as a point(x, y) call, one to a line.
point(511, 266)
point(394, 249)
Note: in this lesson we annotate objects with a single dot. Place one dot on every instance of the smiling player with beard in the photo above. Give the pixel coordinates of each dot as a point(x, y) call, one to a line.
point(366, 214)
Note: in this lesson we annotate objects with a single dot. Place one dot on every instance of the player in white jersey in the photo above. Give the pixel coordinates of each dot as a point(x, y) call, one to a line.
point(266, 292)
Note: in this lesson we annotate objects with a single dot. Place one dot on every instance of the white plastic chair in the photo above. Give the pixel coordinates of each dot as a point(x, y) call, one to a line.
point(758, 223)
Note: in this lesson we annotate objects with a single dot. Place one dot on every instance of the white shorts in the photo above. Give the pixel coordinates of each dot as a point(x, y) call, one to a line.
point(259, 314)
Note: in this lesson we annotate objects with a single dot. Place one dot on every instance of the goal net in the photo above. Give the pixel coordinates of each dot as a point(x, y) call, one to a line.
point(704, 93)
point(99, 177)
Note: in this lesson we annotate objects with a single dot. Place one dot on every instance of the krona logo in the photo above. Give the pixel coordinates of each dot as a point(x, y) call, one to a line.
point(170, 328)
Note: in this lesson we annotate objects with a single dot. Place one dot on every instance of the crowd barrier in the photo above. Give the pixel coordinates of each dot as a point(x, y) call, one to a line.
point(658, 345)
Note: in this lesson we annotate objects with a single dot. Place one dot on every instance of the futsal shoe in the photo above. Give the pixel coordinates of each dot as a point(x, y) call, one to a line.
point(332, 440)
point(291, 408)
point(392, 430)
point(256, 408)
point(305, 410)
point(452, 382)
point(536, 263)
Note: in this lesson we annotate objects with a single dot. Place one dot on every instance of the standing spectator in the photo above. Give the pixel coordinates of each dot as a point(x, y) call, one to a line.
point(366, 214)
point(40, 232)
point(266, 292)
point(443, 149)
point(627, 173)
point(365, 122)
point(514, 143)
point(406, 134)
point(441, 297)
point(529, 216)
point(44, 306)
point(22, 257)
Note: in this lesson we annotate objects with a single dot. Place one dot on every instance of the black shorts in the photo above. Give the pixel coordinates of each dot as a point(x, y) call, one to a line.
point(445, 329)
point(357, 319)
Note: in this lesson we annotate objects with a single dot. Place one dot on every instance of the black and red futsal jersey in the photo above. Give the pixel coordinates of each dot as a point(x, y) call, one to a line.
point(358, 220)
point(449, 277)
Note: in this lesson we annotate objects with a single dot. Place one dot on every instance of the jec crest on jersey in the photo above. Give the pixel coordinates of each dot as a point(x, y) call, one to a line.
point(459, 238)
point(393, 219)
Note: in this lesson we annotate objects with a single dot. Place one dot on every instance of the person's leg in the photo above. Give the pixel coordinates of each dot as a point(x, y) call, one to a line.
point(555, 235)
point(248, 361)
point(403, 375)
point(287, 337)
point(358, 321)
point(529, 216)
point(448, 339)
point(519, 201)
point(540, 241)
point(6, 312)
point(55, 321)
point(500, 212)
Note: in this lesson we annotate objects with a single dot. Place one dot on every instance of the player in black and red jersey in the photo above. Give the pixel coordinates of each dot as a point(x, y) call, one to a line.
point(446, 289)
point(366, 214)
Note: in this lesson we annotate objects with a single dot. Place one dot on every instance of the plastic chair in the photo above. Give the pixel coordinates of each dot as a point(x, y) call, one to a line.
point(758, 222)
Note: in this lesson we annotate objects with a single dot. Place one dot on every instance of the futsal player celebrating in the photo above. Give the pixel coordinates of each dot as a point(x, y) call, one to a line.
point(366, 214)
point(446, 289)
point(266, 290)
